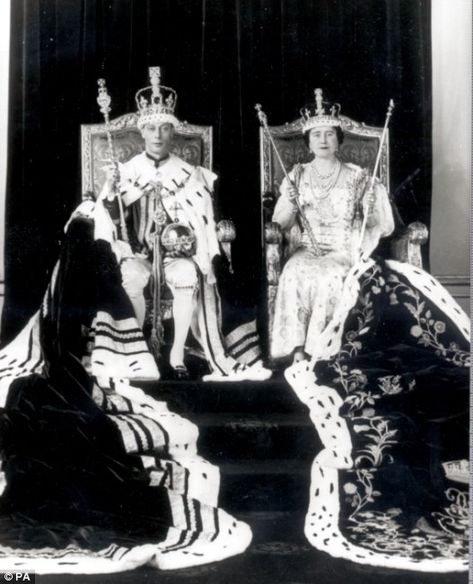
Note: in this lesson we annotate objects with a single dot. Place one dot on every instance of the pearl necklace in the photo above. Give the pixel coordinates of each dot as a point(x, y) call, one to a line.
point(324, 183)
point(321, 176)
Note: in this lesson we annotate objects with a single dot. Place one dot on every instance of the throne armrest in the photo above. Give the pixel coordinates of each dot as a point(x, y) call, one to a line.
point(405, 246)
point(273, 248)
point(273, 257)
point(226, 234)
point(226, 231)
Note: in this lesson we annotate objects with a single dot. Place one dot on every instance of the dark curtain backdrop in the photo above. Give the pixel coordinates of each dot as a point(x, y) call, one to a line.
point(222, 57)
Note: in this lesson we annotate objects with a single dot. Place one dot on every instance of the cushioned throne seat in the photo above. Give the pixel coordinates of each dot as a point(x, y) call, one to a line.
point(360, 147)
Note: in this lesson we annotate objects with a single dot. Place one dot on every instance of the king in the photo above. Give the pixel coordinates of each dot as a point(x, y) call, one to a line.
point(170, 230)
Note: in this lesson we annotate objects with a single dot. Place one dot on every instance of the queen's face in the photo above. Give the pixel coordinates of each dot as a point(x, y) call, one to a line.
point(323, 142)
point(158, 139)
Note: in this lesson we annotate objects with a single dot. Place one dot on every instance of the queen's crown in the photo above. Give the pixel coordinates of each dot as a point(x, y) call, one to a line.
point(322, 113)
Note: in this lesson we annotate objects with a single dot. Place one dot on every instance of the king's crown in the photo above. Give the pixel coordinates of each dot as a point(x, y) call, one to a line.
point(156, 103)
point(322, 113)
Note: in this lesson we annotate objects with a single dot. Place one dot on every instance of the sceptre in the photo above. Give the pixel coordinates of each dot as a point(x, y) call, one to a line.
point(264, 122)
point(104, 100)
point(157, 331)
point(375, 171)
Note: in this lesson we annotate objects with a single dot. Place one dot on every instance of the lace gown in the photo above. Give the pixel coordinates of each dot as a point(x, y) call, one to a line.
point(311, 283)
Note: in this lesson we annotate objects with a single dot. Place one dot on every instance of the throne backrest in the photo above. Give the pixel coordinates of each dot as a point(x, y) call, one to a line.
point(360, 146)
point(192, 143)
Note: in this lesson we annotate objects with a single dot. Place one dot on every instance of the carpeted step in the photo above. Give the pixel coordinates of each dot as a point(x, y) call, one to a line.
point(268, 397)
point(226, 437)
point(243, 420)
point(266, 486)
point(249, 420)
point(258, 433)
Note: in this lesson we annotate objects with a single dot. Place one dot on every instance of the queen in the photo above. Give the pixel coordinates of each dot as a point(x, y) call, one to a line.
point(320, 211)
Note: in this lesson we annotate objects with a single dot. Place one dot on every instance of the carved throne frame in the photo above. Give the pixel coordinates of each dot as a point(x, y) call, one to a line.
point(193, 143)
point(360, 146)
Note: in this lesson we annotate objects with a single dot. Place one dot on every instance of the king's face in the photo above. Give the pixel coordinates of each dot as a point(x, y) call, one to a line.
point(158, 139)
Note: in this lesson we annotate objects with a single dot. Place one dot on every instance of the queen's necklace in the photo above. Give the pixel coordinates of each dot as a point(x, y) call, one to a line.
point(324, 182)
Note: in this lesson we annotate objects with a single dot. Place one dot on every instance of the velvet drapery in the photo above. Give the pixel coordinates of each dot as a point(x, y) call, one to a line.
point(222, 57)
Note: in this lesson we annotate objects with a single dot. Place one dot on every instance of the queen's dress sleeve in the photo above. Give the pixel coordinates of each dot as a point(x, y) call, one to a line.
point(380, 222)
point(284, 211)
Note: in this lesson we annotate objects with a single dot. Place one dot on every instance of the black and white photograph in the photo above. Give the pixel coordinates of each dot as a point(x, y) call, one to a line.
point(235, 291)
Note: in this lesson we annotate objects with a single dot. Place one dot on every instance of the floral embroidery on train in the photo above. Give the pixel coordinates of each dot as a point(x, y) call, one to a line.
point(426, 328)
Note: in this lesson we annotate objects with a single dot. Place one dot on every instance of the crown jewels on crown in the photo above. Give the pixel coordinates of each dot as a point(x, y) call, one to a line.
point(156, 103)
point(323, 114)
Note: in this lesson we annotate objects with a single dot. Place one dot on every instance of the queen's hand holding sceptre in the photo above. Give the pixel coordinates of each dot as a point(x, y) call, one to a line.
point(294, 193)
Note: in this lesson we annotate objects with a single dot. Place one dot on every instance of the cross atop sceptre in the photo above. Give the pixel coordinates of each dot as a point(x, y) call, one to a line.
point(103, 98)
point(318, 101)
point(261, 115)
